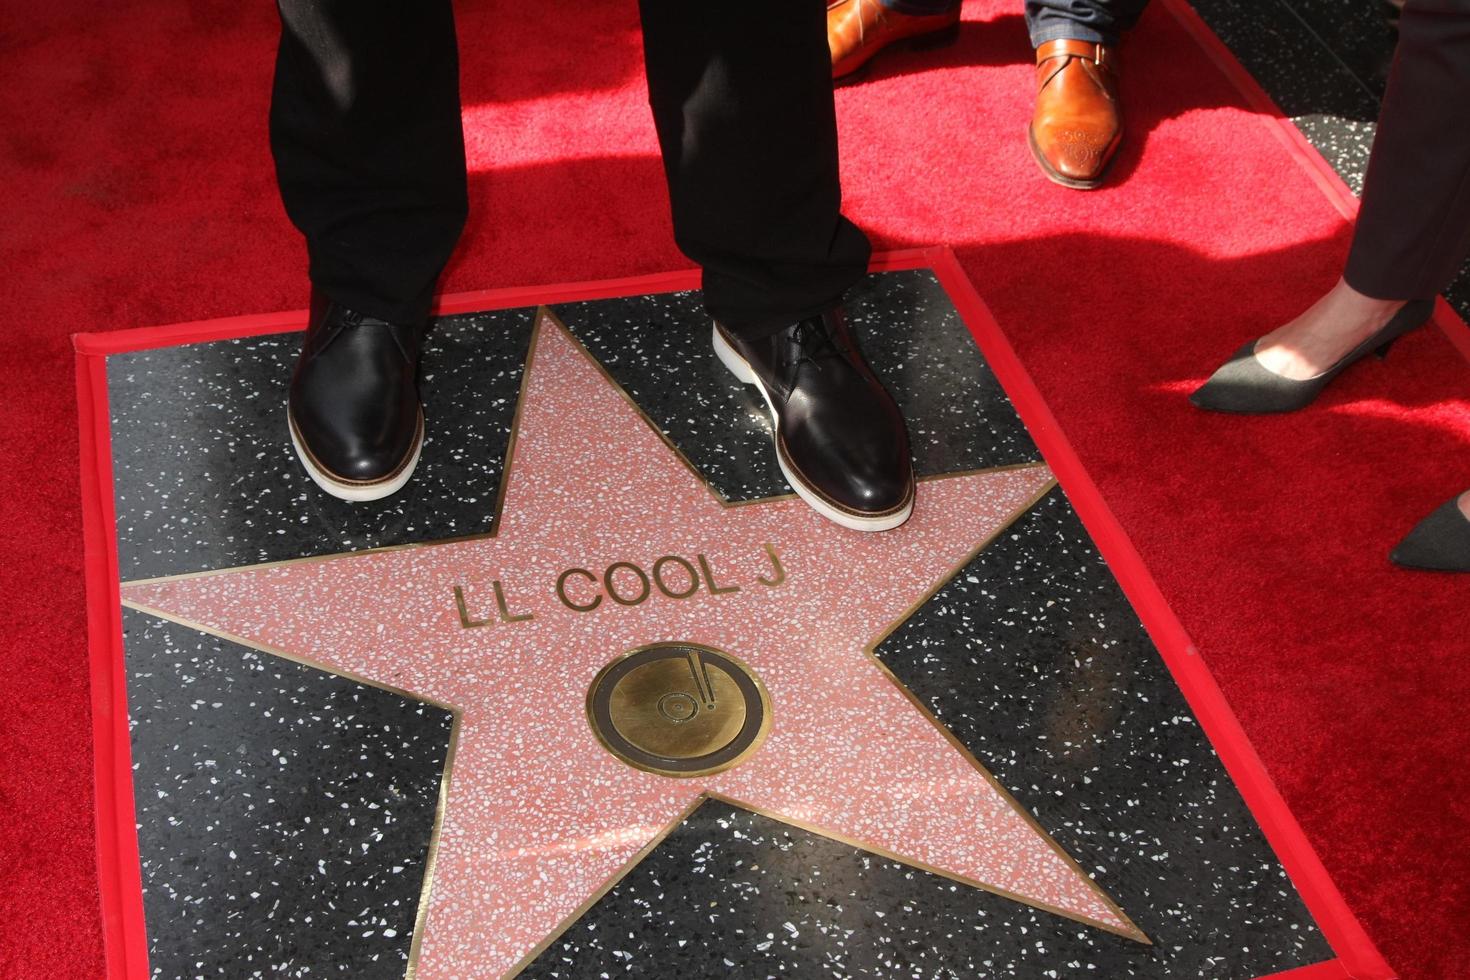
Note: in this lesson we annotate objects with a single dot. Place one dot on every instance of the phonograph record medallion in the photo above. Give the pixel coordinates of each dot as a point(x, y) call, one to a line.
point(679, 709)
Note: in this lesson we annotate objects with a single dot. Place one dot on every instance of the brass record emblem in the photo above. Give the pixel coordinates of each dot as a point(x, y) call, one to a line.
point(679, 709)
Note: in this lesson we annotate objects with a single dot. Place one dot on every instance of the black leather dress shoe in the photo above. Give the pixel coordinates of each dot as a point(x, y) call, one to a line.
point(354, 408)
point(840, 439)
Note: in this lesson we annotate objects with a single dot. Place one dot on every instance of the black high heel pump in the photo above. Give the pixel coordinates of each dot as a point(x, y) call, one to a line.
point(1440, 542)
point(1243, 385)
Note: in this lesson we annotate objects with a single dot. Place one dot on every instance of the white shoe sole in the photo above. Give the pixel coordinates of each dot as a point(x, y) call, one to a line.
point(742, 370)
point(357, 492)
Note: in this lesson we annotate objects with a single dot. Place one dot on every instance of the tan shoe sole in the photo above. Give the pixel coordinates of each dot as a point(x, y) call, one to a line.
point(358, 491)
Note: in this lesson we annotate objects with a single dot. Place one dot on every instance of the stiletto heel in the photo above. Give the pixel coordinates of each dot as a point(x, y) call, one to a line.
point(1243, 385)
point(1382, 351)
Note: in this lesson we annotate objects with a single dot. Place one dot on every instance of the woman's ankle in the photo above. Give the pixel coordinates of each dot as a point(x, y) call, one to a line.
point(1341, 319)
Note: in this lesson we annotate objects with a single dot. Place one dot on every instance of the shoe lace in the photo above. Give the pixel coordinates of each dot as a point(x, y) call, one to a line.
point(404, 337)
point(813, 343)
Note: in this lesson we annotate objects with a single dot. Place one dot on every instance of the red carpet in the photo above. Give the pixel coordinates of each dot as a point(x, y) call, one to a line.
point(139, 191)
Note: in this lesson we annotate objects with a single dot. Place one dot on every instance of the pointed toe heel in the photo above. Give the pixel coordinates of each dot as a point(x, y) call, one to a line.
point(1242, 385)
point(1439, 543)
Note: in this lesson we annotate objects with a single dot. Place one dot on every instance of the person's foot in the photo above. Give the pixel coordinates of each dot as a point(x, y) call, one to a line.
point(1289, 367)
point(1440, 542)
point(840, 438)
point(1314, 342)
point(858, 29)
point(1077, 125)
point(354, 411)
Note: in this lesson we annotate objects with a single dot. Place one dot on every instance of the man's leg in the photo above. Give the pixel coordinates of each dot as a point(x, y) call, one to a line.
point(743, 106)
point(365, 130)
point(1078, 122)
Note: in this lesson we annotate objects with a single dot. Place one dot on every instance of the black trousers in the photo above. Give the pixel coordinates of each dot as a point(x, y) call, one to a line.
point(369, 151)
point(1413, 230)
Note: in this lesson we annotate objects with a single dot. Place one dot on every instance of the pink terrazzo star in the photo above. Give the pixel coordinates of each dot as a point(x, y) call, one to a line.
point(539, 817)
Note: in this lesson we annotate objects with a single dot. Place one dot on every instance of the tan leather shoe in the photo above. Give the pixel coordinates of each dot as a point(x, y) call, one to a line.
point(1078, 123)
point(859, 29)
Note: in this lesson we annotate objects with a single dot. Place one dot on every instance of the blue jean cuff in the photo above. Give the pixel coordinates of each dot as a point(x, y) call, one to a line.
point(1069, 32)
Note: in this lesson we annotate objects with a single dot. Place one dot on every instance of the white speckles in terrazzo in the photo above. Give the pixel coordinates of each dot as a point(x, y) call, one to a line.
point(283, 812)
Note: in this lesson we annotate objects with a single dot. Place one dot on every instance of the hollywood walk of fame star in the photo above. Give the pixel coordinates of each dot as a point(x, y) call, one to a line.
point(538, 818)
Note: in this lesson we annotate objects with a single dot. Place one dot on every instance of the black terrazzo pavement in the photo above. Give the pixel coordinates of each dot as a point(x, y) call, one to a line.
point(733, 893)
point(1334, 107)
point(284, 813)
point(1358, 34)
point(1035, 660)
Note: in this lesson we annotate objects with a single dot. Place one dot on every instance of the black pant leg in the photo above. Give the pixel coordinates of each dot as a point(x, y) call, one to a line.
point(369, 149)
point(742, 100)
point(1413, 230)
